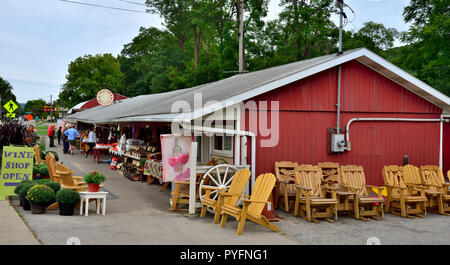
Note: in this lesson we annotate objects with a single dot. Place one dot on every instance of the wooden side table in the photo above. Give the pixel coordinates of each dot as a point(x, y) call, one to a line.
point(100, 197)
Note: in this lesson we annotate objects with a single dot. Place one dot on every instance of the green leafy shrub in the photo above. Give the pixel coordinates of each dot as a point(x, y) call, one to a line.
point(55, 186)
point(67, 196)
point(20, 186)
point(40, 194)
point(95, 178)
point(40, 181)
point(44, 153)
point(24, 190)
point(41, 169)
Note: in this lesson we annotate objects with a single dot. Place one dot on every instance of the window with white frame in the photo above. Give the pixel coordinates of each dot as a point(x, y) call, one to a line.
point(222, 145)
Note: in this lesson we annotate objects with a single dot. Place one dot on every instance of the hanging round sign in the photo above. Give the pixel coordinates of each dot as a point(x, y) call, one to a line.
point(105, 97)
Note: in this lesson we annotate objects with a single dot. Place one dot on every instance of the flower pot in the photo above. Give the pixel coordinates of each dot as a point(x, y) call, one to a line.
point(92, 187)
point(38, 208)
point(66, 209)
point(26, 204)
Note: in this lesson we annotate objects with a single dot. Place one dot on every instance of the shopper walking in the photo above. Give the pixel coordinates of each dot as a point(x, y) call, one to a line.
point(58, 134)
point(51, 135)
point(91, 141)
point(72, 135)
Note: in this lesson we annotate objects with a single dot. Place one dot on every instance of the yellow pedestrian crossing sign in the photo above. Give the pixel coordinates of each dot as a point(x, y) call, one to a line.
point(10, 115)
point(10, 106)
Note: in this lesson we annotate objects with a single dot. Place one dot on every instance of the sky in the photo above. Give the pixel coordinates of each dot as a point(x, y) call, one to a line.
point(39, 38)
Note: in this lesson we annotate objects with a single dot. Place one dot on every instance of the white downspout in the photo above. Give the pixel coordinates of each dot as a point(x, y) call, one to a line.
point(347, 128)
point(228, 131)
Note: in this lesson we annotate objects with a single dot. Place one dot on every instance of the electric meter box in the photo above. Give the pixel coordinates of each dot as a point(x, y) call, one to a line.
point(337, 143)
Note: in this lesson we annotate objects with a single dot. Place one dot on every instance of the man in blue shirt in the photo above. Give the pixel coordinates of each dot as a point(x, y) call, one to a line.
point(72, 135)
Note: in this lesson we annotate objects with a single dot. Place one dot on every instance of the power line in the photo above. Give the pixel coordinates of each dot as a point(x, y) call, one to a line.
point(108, 7)
point(134, 3)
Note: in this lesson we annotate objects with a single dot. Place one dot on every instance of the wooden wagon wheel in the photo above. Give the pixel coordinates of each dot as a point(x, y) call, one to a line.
point(219, 176)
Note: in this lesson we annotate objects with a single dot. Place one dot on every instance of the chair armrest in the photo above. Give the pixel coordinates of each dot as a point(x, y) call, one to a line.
point(184, 182)
point(253, 201)
point(302, 188)
point(286, 181)
point(213, 188)
point(395, 187)
point(74, 177)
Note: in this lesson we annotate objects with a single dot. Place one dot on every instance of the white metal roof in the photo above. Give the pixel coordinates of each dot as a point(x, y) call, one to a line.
point(240, 87)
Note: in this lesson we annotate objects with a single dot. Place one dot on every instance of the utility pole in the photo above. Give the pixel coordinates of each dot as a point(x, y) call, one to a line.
point(241, 36)
point(340, 4)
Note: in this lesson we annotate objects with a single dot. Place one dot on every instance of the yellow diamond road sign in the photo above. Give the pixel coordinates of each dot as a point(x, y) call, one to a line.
point(10, 115)
point(10, 106)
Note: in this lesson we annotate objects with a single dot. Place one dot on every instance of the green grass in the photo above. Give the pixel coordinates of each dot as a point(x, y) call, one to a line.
point(42, 129)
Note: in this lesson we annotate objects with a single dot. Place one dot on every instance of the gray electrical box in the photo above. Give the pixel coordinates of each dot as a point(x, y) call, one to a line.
point(337, 143)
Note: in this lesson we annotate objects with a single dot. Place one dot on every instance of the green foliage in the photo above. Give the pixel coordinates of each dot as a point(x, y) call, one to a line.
point(20, 186)
point(67, 196)
point(40, 194)
point(88, 75)
point(55, 186)
point(6, 94)
point(41, 169)
point(94, 177)
point(36, 107)
point(142, 162)
point(44, 153)
point(25, 187)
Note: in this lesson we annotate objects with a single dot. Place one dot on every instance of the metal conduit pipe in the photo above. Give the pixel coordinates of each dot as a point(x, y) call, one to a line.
point(347, 128)
point(233, 132)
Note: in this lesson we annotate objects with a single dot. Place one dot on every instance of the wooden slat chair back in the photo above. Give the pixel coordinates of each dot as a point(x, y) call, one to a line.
point(253, 207)
point(310, 176)
point(412, 175)
point(237, 186)
point(400, 195)
point(354, 180)
point(331, 173)
point(311, 195)
point(284, 172)
point(51, 165)
point(353, 176)
point(437, 189)
point(433, 176)
point(37, 155)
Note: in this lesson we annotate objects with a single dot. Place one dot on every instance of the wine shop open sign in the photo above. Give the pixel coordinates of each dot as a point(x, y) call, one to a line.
point(17, 165)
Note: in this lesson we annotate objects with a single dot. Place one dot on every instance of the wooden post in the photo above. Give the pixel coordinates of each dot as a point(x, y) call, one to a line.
point(193, 178)
point(241, 36)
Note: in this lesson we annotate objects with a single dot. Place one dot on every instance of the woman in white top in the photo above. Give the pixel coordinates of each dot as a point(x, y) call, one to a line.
point(91, 141)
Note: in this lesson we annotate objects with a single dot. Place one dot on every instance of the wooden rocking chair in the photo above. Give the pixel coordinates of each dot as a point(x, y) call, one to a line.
point(404, 200)
point(284, 172)
point(311, 195)
point(237, 185)
point(437, 189)
point(354, 180)
point(252, 207)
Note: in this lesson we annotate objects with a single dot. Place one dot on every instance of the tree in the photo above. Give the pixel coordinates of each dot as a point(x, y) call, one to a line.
point(36, 107)
point(88, 75)
point(6, 94)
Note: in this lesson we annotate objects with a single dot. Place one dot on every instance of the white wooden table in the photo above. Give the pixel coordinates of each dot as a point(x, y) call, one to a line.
point(100, 197)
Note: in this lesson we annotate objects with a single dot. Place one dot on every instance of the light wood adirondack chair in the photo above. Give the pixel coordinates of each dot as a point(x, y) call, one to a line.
point(284, 172)
point(180, 195)
point(37, 155)
point(237, 185)
point(311, 195)
point(51, 165)
point(252, 207)
point(402, 199)
point(354, 180)
point(437, 189)
point(63, 169)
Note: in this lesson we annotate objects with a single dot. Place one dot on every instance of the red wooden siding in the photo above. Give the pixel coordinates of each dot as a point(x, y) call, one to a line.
point(307, 109)
point(446, 148)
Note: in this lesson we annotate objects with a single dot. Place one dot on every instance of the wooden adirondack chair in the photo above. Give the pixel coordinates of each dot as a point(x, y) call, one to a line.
point(237, 185)
point(284, 172)
point(354, 180)
point(252, 207)
point(311, 195)
point(37, 155)
point(181, 194)
point(62, 169)
point(437, 189)
point(51, 165)
point(404, 200)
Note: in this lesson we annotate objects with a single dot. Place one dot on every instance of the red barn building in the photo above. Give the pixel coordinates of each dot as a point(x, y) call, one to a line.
point(383, 113)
